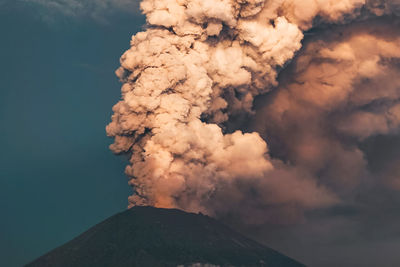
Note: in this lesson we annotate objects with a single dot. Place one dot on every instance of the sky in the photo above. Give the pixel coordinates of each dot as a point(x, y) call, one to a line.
point(58, 177)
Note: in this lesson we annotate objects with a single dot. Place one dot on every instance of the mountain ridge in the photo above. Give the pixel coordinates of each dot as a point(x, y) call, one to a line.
point(148, 236)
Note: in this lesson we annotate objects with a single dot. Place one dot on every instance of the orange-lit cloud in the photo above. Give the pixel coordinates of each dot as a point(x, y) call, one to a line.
point(203, 62)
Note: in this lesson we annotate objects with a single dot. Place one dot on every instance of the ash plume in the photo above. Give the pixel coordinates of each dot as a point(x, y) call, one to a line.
point(202, 63)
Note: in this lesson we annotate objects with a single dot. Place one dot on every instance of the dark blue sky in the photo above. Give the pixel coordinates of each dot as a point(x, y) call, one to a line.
point(57, 176)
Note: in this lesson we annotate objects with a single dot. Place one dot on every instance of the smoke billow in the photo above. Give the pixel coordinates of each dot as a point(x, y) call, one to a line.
point(202, 63)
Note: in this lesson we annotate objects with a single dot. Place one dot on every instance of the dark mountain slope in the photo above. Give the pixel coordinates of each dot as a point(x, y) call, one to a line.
point(146, 236)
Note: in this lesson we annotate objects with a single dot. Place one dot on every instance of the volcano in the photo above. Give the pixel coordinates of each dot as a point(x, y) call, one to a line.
point(152, 237)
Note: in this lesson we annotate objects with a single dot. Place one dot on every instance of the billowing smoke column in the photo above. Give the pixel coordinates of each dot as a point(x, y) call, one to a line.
point(202, 62)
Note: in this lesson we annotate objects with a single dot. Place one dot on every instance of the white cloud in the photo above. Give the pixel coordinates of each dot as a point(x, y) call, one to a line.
point(94, 9)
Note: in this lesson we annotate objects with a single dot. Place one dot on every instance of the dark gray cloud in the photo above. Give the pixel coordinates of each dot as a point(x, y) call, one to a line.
point(98, 10)
point(341, 72)
point(341, 90)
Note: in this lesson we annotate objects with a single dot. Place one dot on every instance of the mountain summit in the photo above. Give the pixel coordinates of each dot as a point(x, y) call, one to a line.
point(152, 237)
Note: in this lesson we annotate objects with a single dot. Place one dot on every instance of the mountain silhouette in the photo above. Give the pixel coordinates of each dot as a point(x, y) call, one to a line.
point(152, 237)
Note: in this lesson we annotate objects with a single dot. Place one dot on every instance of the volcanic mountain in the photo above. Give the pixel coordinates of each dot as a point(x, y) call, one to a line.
point(152, 237)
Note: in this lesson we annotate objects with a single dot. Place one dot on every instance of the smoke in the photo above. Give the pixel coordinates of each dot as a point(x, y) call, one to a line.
point(343, 88)
point(192, 77)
